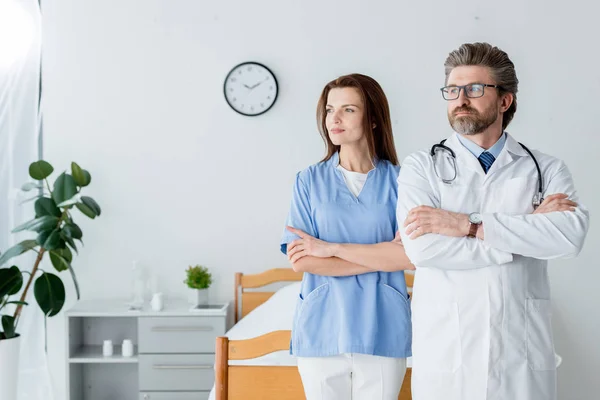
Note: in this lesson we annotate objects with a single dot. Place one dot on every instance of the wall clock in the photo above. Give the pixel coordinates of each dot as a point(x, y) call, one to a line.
point(250, 88)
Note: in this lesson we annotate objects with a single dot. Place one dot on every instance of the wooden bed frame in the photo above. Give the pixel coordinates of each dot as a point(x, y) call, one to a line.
point(246, 382)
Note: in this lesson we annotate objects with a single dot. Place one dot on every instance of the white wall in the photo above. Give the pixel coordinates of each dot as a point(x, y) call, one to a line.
point(133, 92)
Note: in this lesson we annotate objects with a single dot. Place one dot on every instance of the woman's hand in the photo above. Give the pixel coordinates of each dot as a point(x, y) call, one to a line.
point(307, 246)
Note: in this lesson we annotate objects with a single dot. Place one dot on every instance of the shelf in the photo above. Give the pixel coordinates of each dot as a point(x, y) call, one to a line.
point(174, 307)
point(93, 355)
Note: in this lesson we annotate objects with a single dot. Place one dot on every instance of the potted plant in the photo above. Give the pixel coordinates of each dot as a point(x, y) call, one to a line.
point(56, 235)
point(199, 279)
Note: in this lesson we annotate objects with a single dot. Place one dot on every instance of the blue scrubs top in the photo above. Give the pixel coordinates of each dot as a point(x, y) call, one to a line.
point(368, 313)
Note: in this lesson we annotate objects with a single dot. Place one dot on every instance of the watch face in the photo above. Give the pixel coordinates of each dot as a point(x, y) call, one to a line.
point(475, 218)
point(250, 89)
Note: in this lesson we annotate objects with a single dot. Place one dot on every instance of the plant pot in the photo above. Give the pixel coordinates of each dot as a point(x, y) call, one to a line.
point(9, 367)
point(202, 297)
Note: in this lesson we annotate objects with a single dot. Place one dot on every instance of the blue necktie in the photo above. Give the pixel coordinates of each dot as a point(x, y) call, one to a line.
point(486, 160)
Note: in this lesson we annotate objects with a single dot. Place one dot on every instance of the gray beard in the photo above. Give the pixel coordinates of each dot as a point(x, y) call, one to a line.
point(472, 124)
point(469, 126)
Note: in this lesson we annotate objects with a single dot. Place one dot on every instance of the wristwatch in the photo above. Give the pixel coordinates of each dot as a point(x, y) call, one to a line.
point(475, 220)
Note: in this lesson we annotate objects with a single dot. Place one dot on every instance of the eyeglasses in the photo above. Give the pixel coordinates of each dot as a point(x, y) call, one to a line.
point(472, 91)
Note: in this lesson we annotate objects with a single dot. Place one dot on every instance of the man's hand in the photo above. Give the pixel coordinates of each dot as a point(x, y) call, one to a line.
point(424, 219)
point(307, 246)
point(556, 202)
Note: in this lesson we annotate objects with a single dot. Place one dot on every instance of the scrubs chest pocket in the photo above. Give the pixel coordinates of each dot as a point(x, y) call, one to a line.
point(540, 348)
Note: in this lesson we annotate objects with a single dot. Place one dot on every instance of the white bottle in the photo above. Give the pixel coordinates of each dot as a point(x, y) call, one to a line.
point(107, 348)
point(127, 348)
point(157, 302)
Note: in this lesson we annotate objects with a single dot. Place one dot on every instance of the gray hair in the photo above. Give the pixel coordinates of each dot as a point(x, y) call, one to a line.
point(501, 68)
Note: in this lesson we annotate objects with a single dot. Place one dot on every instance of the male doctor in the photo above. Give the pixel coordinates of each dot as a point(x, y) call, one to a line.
point(482, 306)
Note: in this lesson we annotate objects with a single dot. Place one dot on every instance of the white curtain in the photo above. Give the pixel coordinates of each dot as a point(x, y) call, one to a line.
point(20, 144)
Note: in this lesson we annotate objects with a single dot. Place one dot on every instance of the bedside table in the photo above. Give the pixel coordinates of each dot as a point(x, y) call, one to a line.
point(173, 350)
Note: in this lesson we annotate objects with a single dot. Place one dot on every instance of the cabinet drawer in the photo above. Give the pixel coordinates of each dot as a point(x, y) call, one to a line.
point(174, 395)
point(179, 334)
point(185, 372)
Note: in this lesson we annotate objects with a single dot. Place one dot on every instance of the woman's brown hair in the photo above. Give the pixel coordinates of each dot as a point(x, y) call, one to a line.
point(377, 112)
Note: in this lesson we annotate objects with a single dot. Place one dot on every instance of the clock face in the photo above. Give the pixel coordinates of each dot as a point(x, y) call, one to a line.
point(250, 89)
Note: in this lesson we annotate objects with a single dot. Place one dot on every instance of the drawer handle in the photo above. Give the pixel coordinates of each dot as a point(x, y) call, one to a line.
point(165, 366)
point(182, 328)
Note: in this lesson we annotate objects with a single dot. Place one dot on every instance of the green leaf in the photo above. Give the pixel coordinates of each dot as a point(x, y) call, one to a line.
point(30, 186)
point(17, 250)
point(60, 264)
point(87, 178)
point(49, 293)
point(77, 173)
point(73, 231)
point(42, 237)
point(39, 224)
point(81, 176)
point(65, 253)
point(8, 325)
point(53, 241)
point(40, 170)
point(46, 206)
point(91, 203)
point(86, 210)
point(11, 281)
point(18, 303)
point(74, 281)
point(70, 242)
point(64, 188)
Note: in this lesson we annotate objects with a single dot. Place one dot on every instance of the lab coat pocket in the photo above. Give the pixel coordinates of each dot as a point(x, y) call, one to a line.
point(513, 196)
point(436, 337)
point(540, 344)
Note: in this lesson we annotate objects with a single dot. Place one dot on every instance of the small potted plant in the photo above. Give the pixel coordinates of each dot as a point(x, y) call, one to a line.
point(199, 279)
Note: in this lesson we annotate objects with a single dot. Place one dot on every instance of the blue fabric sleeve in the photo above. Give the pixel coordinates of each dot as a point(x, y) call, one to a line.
point(299, 216)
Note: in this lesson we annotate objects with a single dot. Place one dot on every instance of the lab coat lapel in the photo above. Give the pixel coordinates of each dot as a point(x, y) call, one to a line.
point(511, 150)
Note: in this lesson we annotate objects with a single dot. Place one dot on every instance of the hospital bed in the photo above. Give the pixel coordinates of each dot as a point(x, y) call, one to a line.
point(253, 360)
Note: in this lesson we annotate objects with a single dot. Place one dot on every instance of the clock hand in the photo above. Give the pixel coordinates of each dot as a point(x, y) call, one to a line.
point(253, 86)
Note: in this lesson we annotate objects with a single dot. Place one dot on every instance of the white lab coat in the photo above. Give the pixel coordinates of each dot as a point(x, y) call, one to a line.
point(481, 309)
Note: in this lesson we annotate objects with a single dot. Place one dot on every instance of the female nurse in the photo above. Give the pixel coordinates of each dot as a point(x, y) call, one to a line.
point(351, 330)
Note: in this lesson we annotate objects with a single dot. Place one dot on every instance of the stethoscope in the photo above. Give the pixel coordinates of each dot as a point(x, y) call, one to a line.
point(537, 199)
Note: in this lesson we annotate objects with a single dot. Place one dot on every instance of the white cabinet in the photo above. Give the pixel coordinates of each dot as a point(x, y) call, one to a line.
point(173, 351)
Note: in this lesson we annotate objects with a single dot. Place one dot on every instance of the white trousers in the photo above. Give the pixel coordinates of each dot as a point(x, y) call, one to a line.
point(352, 377)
